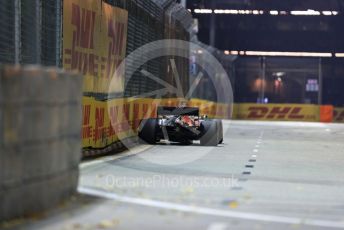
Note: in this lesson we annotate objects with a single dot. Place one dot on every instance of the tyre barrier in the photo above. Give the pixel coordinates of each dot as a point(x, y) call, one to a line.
point(40, 144)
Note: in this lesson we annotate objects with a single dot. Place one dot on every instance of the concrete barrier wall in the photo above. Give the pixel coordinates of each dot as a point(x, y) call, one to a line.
point(40, 149)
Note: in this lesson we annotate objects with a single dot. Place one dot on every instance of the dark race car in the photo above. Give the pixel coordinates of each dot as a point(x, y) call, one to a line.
point(181, 124)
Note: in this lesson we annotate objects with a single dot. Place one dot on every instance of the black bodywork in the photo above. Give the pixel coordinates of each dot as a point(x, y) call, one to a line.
point(172, 124)
point(181, 124)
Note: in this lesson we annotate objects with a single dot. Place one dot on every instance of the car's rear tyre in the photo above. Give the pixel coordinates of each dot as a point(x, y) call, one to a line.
point(148, 129)
point(220, 131)
point(209, 133)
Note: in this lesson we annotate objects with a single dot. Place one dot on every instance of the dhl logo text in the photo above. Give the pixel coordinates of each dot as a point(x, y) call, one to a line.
point(259, 112)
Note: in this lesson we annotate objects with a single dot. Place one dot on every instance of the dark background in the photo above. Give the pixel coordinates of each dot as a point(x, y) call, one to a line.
point(279, 33)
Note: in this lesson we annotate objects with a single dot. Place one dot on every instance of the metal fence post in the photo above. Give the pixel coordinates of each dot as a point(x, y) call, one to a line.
point(212, 31)
point(58, 33)
point(263, 76)
point(320, 76)
point(17, 31)
point(38, 30)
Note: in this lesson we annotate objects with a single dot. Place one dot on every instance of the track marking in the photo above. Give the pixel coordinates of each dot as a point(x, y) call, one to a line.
point(255, 150)
point(254, 156)
point(211, 211)
point(217, 226)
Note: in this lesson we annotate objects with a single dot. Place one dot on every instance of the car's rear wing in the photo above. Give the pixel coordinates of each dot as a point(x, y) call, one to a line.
point(178, 111)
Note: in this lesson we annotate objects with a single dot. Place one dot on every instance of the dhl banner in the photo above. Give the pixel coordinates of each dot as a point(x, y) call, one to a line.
point(94, 42)
point(285, 112)
point(105, 122)
point(338, 115)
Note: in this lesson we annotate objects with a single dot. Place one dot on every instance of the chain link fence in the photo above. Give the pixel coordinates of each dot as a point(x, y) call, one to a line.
point(206, 88)
point(150, 21)
point(7, 31)
point(279, 80)
point(30, 32)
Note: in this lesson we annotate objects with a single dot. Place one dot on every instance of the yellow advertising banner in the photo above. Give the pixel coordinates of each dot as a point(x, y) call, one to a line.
point(338, 115)
point(105, 122)
point(285, 112)
point(94, 42)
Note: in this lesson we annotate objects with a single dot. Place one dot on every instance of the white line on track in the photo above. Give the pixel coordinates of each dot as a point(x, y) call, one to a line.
point(211, 211)
point(218, 226)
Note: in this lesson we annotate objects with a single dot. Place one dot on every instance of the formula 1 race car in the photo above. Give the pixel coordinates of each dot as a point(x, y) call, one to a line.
point(181, 124)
